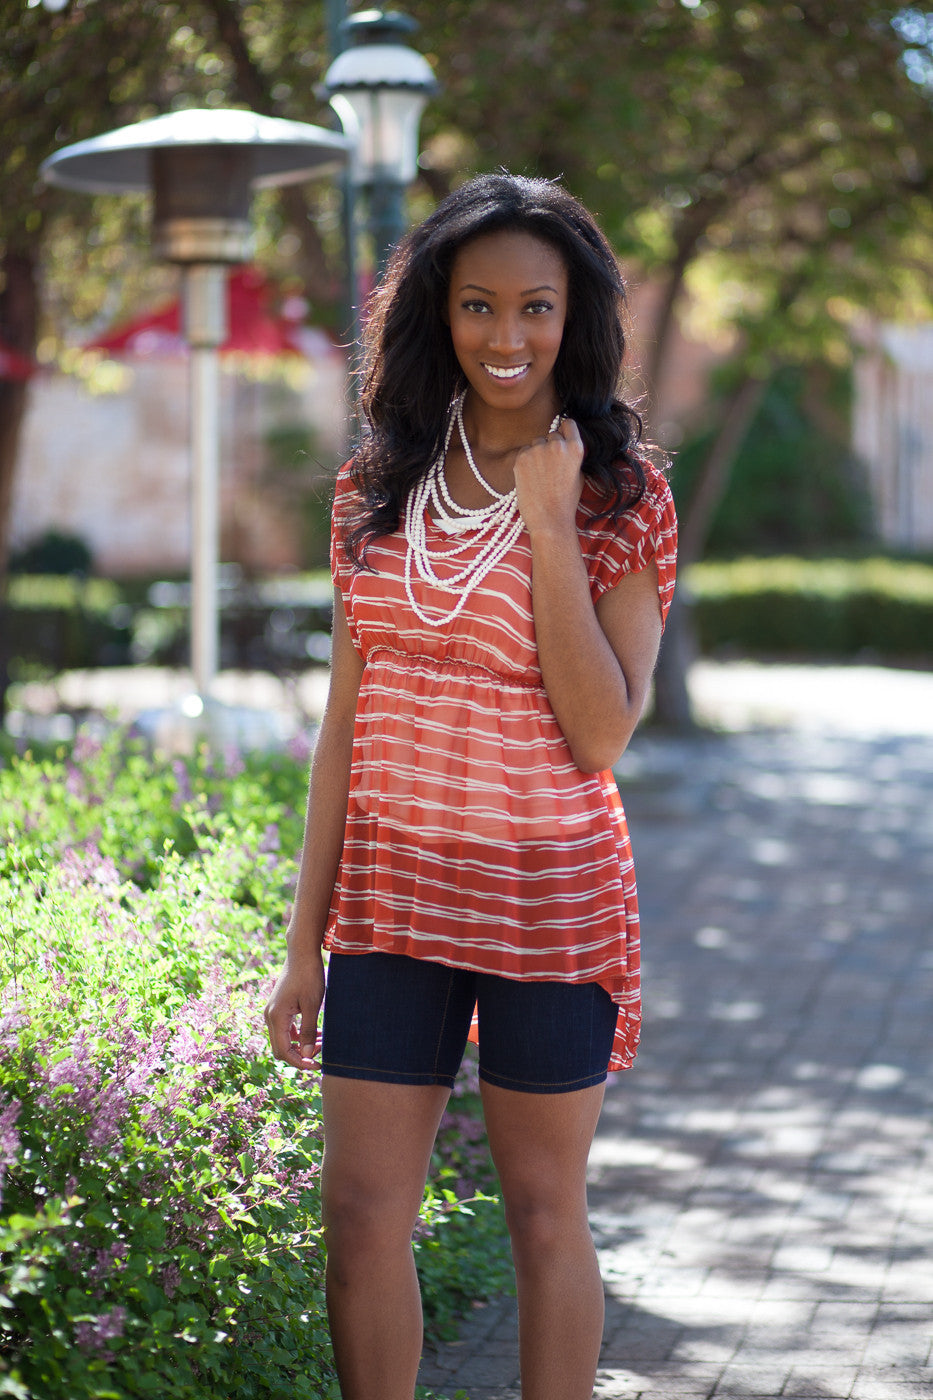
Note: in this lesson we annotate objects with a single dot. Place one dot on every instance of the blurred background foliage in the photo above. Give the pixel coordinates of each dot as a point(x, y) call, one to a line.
point(795, 483)
point(765, 166)
point(774, 158)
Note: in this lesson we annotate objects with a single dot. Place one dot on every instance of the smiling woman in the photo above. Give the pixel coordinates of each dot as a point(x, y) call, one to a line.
point(504, 559)
point(506, 334)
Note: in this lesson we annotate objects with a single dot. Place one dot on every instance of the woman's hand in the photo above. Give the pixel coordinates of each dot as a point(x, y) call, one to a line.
point(548, 479)
point(292, 1010)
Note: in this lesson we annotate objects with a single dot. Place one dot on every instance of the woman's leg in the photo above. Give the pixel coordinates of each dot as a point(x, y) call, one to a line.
point(378, 1140)
point(540, 1144)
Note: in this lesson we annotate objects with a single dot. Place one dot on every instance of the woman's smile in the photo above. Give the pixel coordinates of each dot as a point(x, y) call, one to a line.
point(506, 371)
point(506, 308)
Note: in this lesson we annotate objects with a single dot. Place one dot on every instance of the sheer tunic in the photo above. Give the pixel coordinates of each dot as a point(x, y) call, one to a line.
point(472, 838)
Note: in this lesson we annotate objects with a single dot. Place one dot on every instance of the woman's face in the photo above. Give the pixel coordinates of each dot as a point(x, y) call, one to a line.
point(506, 307)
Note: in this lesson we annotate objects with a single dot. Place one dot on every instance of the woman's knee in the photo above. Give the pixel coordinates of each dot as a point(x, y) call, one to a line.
point(361, 1218)
point(377, 1146)
point(542, 1222)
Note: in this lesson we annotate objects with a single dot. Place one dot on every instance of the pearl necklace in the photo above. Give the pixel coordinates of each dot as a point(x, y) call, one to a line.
point(495, 527)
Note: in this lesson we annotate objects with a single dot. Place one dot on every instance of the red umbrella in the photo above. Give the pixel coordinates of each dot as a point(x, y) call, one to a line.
point(13, 365)
point(254, 328)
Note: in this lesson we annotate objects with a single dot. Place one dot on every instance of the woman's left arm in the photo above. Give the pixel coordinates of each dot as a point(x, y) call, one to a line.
point(596, 661)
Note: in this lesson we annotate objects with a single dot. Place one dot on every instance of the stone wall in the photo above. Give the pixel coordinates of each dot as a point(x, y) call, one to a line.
point(113, 468)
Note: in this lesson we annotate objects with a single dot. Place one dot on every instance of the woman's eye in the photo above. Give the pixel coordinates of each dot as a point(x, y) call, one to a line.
point(538, 308)
point(475, 306)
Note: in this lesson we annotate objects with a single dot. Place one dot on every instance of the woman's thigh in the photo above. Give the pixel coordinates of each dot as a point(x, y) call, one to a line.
point(378, 1140)
point(395, 1019)
point(544, 1037)
point(540, 1144)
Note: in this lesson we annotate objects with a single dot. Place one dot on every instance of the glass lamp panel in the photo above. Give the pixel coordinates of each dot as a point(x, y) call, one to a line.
point(384, 122)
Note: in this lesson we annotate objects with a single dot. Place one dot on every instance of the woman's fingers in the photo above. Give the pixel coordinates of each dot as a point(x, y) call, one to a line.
point(291, 1016)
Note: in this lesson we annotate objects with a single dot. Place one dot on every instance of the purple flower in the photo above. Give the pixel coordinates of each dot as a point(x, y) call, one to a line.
point(79, 868)
point(300, 747)
point(11, 1023)
point(467, 1081)
point(9, 1138)
point(76, 1080)
point(107, 1116)
point(233, 761)
point(271, 840)
point(85, 746)
point(74, 1076)
point(94, 1334)
point(74, 781)
point(182, 783)
point(185, 1048)
point(107, 1261)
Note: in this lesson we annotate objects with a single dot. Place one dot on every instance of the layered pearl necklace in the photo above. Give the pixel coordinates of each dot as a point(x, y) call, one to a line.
point(493, 528)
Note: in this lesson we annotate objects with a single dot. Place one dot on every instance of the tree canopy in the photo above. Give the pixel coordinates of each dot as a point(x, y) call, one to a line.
point(751, 151)
point(766, 162)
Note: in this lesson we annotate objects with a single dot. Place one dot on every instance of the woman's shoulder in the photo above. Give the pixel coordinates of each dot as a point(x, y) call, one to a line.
point(344, 479)
point(346, 501)
point(657, 492)
point(653, 501)
point(346, 490)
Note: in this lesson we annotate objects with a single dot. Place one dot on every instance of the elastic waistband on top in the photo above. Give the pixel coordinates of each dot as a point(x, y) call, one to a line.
point(436, 663)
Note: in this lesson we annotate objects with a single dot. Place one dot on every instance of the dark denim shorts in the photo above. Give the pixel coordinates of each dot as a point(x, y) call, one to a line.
point(405, 1020)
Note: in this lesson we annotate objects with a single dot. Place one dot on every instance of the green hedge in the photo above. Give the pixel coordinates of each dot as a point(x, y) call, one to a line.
point(65, 622)
point(787, 606)
point(52, 623)
point(780, 606)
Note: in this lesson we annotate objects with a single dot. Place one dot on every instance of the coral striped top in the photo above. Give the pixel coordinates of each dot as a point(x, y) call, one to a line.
point(472, 838)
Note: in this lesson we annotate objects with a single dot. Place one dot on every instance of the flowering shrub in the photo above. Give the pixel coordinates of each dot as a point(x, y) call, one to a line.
point(160, 1226)
point(115, 797)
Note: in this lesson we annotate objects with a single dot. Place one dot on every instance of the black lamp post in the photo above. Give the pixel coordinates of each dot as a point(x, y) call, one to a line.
point(378, 87)
point(201, 167)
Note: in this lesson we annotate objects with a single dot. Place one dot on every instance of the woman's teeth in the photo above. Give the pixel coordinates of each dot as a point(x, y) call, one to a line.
point(498, 372)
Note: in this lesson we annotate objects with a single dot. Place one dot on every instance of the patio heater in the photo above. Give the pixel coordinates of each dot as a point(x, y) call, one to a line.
point(201, 167)
point(379, 87)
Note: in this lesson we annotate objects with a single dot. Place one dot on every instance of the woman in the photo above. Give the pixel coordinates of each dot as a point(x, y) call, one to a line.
point(503, 563)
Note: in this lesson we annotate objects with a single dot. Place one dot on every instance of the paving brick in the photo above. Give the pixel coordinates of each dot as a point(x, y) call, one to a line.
point(764, 1378)
point(821, 1380)
point(890, 1384)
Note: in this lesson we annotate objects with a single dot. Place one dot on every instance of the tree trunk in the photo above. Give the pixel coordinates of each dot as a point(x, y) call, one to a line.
point(713, 476)
point(672, 709)
point(662, 327)
point(692, 228)
point(671, 696)
point(18, 321)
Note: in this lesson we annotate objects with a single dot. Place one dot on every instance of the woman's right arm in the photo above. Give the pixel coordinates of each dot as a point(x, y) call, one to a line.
point(293, 1008)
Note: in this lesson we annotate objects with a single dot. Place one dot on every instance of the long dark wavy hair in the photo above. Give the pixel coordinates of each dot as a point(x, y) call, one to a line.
point(411, 374)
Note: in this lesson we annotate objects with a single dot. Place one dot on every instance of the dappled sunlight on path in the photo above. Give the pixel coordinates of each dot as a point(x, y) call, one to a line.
point(762, 1180)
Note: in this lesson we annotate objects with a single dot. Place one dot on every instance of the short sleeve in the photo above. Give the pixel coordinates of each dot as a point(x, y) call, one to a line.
point(344, 498)
point(646, 532)
point(343, 512)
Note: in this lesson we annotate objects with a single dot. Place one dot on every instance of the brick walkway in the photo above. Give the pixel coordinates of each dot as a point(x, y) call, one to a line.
point(762, 1181)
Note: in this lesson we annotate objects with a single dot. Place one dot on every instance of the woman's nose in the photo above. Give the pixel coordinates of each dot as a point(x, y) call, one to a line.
point(507, 333)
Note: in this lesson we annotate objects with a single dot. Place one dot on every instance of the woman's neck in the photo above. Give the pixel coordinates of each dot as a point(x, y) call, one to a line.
point(495, 433)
